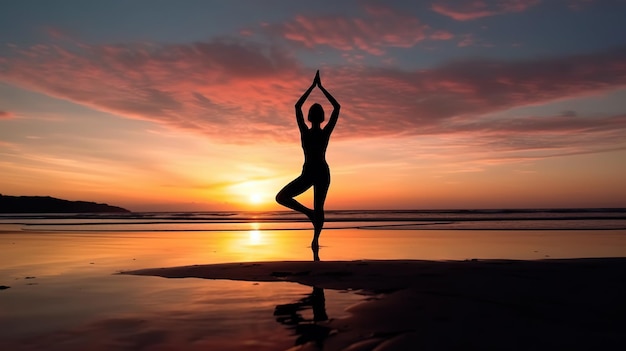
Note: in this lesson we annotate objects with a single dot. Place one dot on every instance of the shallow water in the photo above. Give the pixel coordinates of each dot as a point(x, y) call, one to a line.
point(64, 293)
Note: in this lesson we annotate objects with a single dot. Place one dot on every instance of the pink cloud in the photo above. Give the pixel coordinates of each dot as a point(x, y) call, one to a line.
point(452, 98)
point(6, 115)
point(500, 84)
point(470, 10)
point(240, 92)
point(215, 87)
point(381, 27)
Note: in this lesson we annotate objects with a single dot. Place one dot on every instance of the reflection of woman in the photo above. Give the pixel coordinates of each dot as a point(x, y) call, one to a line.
point(291, 315)
point(315, 172)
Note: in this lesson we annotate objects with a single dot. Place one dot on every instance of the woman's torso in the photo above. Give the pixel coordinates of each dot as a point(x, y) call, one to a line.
point(314, 144)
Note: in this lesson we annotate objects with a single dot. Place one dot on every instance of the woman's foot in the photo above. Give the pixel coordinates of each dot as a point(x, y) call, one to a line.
point(316, 252)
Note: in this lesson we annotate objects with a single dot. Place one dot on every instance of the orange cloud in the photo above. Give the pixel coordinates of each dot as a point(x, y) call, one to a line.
point(470, 10)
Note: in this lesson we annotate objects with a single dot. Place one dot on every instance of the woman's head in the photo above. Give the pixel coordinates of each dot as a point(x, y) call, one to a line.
point(316, 113)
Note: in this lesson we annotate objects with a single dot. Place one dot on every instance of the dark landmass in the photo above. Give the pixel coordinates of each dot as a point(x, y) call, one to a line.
point(47, 204)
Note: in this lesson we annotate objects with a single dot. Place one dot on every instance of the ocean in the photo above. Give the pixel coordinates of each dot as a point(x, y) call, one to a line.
point(501, 219)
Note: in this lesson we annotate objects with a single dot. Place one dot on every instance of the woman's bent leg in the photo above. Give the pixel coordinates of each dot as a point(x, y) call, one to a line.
point(286, 196)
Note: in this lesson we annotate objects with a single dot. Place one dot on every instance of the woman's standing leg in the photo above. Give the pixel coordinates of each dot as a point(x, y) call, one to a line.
point(319, 197)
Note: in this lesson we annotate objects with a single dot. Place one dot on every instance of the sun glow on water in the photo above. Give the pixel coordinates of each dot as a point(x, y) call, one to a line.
point(255, 237)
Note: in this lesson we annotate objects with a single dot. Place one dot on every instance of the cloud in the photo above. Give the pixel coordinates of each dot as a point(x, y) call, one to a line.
point(217, 87)
point(470, 10)
point(241, 92)
point(540, 126)
point(386, 101)
point(539, 137)
point(6, 115)
point(493, 85)
point(381, 27)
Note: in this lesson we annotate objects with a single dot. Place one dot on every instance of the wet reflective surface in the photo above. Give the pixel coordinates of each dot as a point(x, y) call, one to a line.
point(64, 294)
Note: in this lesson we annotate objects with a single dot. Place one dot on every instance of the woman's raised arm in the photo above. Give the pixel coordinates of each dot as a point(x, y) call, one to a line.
point(299, 116)
point(335, 115)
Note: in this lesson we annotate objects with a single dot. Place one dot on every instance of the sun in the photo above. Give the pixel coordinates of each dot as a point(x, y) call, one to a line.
point(253, 194)
point(255, 198)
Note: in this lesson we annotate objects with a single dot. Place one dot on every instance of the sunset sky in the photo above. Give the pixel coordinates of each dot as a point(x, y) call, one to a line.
point(188, 105)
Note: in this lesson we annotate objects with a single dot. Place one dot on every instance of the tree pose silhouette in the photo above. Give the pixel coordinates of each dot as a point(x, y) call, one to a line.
point(315, 171)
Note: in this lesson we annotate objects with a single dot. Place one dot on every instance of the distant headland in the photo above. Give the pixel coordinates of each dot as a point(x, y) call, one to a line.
point(47, 204)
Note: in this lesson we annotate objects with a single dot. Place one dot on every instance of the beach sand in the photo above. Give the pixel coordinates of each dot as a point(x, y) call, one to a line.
point(565, 304)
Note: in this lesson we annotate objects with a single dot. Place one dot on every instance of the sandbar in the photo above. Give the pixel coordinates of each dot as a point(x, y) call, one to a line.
point(574, 304)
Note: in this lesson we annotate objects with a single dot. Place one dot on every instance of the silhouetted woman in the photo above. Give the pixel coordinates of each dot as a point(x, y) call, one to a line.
point(315, 172)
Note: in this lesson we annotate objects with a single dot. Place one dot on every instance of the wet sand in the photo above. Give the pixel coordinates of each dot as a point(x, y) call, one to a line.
point(575, 304)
